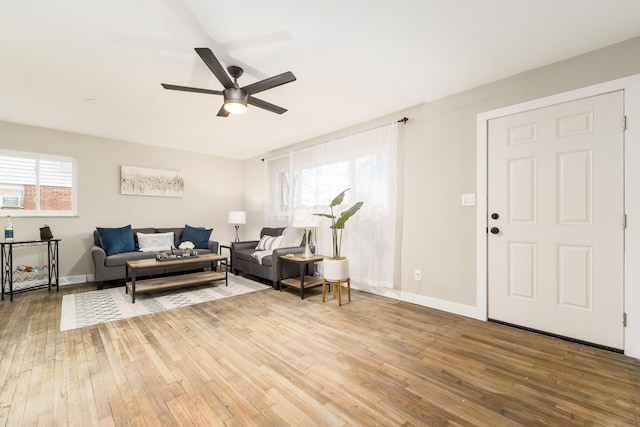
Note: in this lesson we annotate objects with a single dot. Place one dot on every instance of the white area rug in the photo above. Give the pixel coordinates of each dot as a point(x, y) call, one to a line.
point(91, 308)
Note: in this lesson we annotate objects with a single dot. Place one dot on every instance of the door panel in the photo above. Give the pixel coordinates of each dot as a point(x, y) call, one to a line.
point(575, 281)
point(523, 203)
point(523, 265)
point(556, 180)
point(575, 188)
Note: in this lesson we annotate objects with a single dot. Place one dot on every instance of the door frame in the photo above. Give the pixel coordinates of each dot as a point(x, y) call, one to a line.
point(631, 87)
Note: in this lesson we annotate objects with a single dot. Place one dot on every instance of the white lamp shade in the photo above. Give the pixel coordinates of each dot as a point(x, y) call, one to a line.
point(237, 217)
point(303, 218)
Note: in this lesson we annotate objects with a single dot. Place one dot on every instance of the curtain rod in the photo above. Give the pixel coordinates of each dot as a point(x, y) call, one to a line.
point(403, 120)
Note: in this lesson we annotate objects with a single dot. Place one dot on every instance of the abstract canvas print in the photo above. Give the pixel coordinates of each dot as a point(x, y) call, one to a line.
point(150, 182)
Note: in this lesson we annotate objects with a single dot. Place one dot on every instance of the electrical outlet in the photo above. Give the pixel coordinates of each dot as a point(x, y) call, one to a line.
point(417, 275)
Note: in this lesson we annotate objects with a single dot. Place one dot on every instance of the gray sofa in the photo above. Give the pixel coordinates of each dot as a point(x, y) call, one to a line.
point(269, 269)
point(112, 267)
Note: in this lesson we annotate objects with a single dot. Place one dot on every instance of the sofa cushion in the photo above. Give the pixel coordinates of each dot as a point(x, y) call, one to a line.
point(155, 241)
point(267, 261)
point(244, 254)
point(116, 240)
point(121, 258)
point(198, 236)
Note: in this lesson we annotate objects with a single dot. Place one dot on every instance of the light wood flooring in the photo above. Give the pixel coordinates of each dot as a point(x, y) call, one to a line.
point(270, 359)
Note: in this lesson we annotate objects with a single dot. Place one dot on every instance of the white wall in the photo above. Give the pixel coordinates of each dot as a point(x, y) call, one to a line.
point(213, 186)
point(439, 148)
point(438, 165)
point(631, 87)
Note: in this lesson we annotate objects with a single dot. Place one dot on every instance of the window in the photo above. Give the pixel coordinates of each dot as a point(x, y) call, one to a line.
point(309, 179)
point(37, 185)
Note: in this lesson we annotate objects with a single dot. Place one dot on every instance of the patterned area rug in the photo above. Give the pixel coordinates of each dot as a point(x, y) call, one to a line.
point(91, 308)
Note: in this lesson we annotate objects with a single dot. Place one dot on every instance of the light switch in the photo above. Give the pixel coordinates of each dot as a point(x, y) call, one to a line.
point(469, 199)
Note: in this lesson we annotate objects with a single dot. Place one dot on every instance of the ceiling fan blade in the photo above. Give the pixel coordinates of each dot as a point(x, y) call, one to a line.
point(222, 112)
point(214, 65)
point(266, 105)
point(269, 83)
point(190, 89)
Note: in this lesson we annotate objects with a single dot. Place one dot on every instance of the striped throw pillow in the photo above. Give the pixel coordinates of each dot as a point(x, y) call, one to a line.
point(268, 243)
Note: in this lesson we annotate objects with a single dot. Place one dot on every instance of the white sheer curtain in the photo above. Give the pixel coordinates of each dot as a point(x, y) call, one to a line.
point(311, 177)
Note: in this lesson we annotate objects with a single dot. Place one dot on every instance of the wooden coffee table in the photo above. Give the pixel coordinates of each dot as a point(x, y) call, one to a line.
point(170, 282)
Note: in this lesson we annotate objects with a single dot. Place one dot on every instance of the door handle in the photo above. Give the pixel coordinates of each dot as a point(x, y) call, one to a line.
point(494, 230)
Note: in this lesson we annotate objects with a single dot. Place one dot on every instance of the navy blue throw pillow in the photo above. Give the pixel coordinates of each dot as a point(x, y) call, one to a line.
point(116, 240)
point(198, 236)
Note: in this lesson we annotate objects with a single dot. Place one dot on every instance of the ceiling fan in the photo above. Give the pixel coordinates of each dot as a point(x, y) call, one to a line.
point(236, 98)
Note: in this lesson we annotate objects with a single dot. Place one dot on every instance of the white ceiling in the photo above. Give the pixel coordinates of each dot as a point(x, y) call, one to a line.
point(354, 60)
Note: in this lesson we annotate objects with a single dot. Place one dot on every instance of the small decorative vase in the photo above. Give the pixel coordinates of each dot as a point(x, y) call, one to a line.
point(335, 269)
point(8, 230)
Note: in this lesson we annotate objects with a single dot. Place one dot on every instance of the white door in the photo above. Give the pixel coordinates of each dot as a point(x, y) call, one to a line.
point(555, 219)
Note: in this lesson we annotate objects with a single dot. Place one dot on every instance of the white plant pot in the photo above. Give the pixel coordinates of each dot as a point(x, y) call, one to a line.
point(335, 269)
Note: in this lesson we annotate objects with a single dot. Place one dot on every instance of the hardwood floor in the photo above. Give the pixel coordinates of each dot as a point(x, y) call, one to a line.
point(268, 358)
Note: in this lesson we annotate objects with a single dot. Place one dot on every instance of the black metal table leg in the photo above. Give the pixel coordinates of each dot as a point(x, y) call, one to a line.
point(133, 287)
point(133, 282)
point(302, 264)
point(52, 263)
point(55, 267)
point(48, 266)
point(226, 275)
point(2, 270)
point(10, 272)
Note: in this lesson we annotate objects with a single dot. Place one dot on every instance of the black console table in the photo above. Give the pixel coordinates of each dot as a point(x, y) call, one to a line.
point(6, 263)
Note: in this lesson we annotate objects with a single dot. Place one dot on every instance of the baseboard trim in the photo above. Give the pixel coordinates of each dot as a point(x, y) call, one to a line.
point(73, 280)
point(435, 303)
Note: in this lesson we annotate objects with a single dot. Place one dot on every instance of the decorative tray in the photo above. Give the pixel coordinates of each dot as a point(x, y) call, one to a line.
point(175, 255)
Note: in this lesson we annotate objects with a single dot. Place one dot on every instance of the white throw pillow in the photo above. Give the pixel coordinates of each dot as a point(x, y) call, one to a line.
point(268, 243)
point(155, 241)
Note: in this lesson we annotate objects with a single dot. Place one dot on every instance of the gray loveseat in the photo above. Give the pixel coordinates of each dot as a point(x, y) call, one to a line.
point(112, 267)
point(269, 266)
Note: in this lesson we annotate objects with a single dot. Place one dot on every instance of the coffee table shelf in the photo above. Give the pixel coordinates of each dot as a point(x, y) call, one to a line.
point(190, 279)
point(175, 281)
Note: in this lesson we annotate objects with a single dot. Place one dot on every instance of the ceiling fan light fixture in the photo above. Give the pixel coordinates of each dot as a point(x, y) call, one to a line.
point(235, 101)
point(236, 98)
point(235, 107)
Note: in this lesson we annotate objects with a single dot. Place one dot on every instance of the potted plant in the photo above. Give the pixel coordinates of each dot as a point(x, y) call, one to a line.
point(336, 267)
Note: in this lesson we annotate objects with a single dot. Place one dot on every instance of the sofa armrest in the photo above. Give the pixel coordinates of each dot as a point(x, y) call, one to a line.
point(98, 255)
point(249, 244)
point(240, 246)
point(286, 251)
point(213, 246)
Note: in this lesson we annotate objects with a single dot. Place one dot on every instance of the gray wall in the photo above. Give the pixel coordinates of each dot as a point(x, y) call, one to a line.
point(438, 155)
point(213, 186)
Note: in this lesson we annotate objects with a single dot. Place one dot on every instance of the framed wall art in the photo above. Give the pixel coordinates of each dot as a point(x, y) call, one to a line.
point(150, 182)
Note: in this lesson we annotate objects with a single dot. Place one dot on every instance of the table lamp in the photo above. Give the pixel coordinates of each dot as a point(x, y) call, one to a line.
point(236, 218)
point(302, 218)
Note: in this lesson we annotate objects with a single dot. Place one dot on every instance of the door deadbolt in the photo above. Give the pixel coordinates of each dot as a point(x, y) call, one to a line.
point(495, 216)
